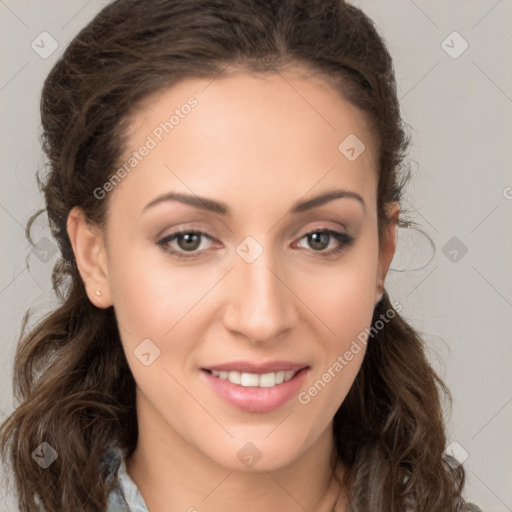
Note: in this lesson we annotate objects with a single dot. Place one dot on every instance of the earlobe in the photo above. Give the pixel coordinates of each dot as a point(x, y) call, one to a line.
point(387, 247)
point(89, 249)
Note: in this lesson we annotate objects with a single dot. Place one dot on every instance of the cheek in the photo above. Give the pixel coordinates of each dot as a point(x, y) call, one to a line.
point(153, 305)
point(345, 299)
point(157, 301)
point(150, 297)
point(341, 295)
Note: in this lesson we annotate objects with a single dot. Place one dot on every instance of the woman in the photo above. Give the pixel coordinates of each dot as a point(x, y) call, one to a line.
point(224, 184)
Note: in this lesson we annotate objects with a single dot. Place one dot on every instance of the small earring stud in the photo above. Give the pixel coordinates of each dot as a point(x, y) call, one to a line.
point(98, 293)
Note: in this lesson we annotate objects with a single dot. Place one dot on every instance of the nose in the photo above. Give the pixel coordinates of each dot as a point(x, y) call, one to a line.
point(260, 303)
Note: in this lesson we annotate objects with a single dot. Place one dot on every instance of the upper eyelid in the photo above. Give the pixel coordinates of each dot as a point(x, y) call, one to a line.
point(320, 227)
point(205, 233)
point(173, 235)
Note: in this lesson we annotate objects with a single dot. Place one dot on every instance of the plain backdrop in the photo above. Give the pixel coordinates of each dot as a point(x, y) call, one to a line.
point(452, 63)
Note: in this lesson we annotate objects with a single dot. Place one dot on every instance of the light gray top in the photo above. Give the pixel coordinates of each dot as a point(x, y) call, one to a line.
point(126, 496)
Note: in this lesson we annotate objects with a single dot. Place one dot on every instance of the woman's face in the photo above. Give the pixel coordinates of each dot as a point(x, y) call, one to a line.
point(264, 279)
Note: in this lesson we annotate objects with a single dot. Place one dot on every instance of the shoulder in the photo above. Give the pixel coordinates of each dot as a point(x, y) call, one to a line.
point(470, 507)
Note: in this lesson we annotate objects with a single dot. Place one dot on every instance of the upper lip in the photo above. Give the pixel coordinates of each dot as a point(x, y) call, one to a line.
point(260, 368)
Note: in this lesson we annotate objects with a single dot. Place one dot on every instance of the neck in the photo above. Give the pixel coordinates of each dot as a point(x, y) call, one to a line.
point(173, 476)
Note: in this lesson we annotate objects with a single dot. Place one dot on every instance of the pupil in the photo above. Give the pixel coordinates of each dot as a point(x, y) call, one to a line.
point(319, 240)
point(190, 243)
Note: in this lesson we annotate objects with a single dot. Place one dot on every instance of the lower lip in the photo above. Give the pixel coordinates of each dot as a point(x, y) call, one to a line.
point(255, 399)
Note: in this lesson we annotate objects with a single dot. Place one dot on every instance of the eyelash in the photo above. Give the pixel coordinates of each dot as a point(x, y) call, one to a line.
point(344, 241)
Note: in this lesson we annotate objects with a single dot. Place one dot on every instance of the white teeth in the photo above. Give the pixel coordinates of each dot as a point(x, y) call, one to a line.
point(233, 377)
point(249, 379)
point(280, 377)
point(265, 380)
point(288, 375)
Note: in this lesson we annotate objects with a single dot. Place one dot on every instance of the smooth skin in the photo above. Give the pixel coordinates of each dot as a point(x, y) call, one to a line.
point(259, 144)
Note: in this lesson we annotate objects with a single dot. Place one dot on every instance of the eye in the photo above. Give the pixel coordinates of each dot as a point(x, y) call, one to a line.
point(320, 239)
point(187, 242)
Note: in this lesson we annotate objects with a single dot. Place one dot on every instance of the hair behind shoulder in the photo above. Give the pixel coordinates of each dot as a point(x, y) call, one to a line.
point(71, 378)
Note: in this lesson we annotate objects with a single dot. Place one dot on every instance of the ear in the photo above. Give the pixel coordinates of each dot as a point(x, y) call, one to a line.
point(387, 247)
point(89, 249)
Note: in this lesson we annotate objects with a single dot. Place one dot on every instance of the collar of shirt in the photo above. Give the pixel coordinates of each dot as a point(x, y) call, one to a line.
point(126, 496)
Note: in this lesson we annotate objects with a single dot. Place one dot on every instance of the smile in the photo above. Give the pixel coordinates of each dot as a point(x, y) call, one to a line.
point(265, 380)
point(253, 388)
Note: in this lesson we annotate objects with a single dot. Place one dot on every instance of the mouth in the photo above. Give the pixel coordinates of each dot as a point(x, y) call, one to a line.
point(256, 388)
point(264, 380)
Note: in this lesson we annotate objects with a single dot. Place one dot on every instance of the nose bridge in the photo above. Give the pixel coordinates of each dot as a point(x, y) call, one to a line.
point(259, 305)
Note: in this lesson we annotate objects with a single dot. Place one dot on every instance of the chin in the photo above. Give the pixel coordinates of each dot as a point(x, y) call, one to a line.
point(257, 455)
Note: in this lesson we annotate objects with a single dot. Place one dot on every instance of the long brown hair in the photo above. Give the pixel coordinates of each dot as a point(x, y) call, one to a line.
point(71, 378)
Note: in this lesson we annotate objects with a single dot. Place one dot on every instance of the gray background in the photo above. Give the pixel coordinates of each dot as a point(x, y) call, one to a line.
point(459, 110)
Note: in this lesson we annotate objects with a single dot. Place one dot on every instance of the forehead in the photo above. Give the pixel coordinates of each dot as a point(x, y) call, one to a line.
point(249, 133)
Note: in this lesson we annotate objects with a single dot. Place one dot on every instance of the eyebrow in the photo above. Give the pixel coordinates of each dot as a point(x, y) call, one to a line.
point(211, 205)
